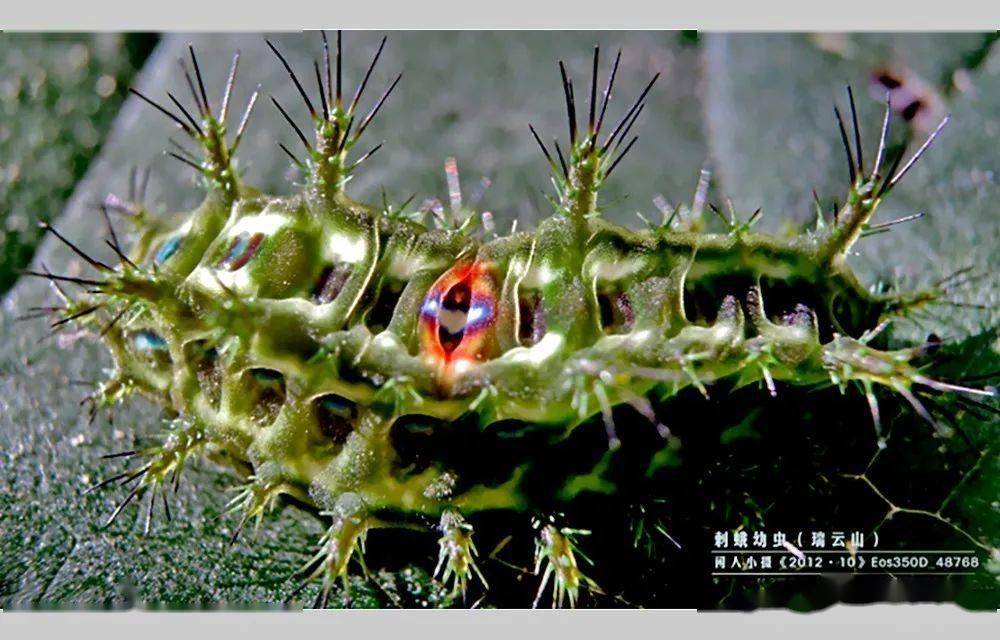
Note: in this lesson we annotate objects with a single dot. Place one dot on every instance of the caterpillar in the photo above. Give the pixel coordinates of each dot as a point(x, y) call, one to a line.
point(307, 340)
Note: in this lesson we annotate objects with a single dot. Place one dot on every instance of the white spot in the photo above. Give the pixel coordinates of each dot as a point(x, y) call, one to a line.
point(617, 269)
point(344, 248)
point(538, 278)
point(404, 266)
point(385, 340)
point(539, 353)
point(210, 279)
point(461, 366)
point(266, 223)
point(183, 231)
point(721, 331)
point(452, 320)
point(640, 337)
point(476, 313)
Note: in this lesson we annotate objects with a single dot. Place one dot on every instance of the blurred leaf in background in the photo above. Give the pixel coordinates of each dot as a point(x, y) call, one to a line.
point(58, 97)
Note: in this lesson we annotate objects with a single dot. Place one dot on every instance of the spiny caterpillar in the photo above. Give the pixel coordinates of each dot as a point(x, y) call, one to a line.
point(301, 339)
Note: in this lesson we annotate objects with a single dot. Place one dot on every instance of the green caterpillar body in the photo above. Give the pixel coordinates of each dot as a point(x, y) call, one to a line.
point(290, 336)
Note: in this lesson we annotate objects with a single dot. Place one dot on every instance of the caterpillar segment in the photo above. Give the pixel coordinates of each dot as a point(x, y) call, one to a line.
point(290, 335)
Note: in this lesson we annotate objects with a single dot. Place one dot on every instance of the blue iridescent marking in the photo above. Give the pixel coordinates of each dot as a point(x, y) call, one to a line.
point(476, 313)
point(479, 313)
point(267, 376)
point(239, 246)
point(337, 406)
point(167, 250)
point(242, 249)
point(148, 341)
point(430, 308)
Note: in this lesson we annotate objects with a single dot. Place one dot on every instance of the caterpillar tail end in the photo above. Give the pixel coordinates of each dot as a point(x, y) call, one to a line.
point(849, 360)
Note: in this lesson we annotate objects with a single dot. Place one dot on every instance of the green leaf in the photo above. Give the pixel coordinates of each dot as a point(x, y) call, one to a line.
point(766, 119)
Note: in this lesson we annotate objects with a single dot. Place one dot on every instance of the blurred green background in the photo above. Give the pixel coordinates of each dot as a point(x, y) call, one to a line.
point(757, 108)
point(58, 97)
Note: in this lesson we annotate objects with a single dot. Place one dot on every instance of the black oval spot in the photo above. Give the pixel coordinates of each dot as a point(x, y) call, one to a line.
point(334, 416)
point(331, 281)
point(380, 314)
point(205, 358)
point(531, 325)
point(266, 388)
point(616, 312)
point(453, 314)
point(911, 110)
